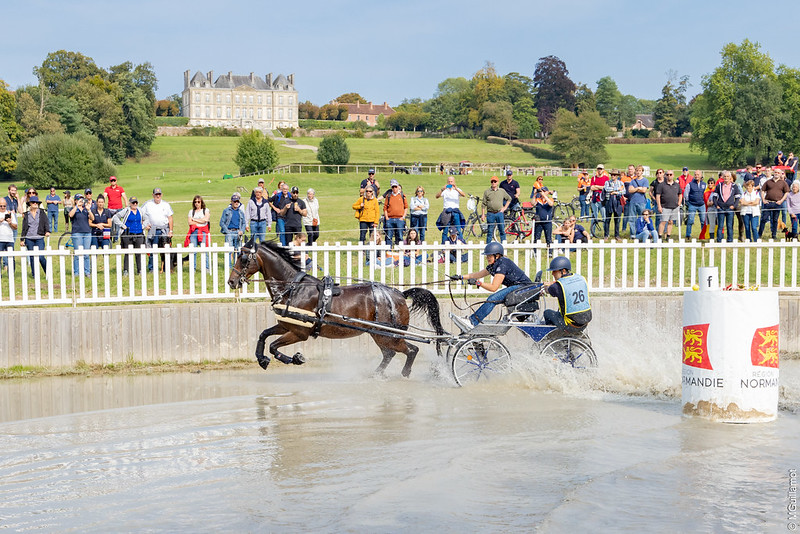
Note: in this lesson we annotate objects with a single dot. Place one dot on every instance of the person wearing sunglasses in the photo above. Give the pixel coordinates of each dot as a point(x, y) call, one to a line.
point(130, 223)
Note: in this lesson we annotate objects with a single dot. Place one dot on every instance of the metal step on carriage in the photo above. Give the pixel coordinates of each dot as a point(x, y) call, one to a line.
point(477, 354)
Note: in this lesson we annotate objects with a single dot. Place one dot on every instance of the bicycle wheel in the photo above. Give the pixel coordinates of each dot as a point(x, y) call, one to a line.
point(480, 359)
point(65, 240)
point(474, 227)
point(597, 230)
point(571, 351)
point(561, 211)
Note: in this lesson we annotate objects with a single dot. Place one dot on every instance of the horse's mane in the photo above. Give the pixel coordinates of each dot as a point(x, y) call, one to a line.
point(282, 252)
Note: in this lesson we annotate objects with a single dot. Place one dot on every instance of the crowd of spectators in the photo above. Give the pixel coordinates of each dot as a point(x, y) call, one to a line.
point(645, 209)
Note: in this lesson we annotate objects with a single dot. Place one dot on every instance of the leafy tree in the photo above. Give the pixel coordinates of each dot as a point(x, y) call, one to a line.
point(169, 108)
point(736, 117)
point(307, 110)
point(99, 104)
point(445, 106)
point(343, 112)
point(34, 120)
point(488, 86)
point(789, 80)
point(380, 122)
point(524, 113)
point(68, 112)
point(585, 99)
point(67, 160)
point(580, 140)
point(351, 98)
point(9, 138)
point(140, 121)
point(333, 150)
point(518, 87)
point(255, 152)
point(629, 106)
point(608, 100)
point(498, 119)
point(61, 69)
point(555, 90)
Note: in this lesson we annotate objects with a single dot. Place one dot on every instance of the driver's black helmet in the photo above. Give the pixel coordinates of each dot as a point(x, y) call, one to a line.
point(493, 248)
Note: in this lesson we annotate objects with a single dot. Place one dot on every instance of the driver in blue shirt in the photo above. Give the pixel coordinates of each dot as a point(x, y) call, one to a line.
point(504, 272)
point(572, 293)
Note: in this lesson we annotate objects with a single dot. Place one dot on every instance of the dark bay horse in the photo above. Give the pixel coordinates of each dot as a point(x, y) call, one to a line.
point(300, 293)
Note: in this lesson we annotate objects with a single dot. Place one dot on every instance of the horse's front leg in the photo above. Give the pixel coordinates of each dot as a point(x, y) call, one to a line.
point(263, 360)
point(288, 338)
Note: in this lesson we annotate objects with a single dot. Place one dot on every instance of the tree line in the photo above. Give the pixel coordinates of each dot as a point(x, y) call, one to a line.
point(77, 122)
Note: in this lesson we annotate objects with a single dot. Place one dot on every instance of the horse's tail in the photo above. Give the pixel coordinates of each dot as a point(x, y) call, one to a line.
point(423, 300)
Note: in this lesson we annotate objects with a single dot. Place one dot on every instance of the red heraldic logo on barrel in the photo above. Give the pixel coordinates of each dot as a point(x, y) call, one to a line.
point(764, 349)
point(695, 347)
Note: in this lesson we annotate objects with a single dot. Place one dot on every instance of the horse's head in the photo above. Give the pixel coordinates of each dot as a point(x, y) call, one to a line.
point(247, 264)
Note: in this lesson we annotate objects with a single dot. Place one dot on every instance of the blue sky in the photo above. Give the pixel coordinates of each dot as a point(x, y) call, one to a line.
point(394, 49)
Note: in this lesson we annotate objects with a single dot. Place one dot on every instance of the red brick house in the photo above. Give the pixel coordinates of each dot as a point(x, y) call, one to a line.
point(367, 112)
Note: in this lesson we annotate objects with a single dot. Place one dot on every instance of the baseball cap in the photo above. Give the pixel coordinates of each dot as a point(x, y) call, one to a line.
point(509, 173)
point(394, 183)
point(77, 197)
point(134, 200)
point(494, 179)
point(67, 192)
point(453, 230)
point(295, 189)
point(686, 168)
point(261, 180)
point(112, 178)
point(780, 152)
point(34, 200)
point(235, 196)
point(157, 191)
point(601, 166)
point(371, 171)
point(87, 191)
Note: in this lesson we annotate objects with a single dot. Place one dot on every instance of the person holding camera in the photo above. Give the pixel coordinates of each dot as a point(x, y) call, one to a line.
point(543, 204)
point(451, 213)
point(293, 213)
point(8, 225)
point(81, 217)
point(35, 227)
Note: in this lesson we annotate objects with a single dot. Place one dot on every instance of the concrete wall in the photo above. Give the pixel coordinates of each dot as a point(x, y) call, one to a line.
point(62, 337)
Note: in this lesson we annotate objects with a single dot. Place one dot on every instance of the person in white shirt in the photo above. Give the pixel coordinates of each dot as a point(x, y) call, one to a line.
point(751, 210)
point(311, 218)
point(451, 214)
point(159, 232)
point(8, 224)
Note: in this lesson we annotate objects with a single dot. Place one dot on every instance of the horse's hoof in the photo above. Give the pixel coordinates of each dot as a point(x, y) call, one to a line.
point(298, 359)
point(263, 361)
point(405, 373)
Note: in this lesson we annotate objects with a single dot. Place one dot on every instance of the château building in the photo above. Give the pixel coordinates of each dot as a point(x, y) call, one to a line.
point(233, 101)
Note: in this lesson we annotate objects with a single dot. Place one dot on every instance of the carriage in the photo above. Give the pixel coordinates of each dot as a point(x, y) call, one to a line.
point(306, 307)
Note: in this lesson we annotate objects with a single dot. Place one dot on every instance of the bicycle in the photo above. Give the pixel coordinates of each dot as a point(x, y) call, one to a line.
point(475, 227)
point(518, 224)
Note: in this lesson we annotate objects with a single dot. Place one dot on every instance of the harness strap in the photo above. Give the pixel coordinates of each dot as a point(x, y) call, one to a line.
point(323, 304)
point(298, 277)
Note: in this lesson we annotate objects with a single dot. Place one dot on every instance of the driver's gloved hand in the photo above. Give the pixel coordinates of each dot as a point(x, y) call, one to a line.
point(472, 282)
point(456, 277)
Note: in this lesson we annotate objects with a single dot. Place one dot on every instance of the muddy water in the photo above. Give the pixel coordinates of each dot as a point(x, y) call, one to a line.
point(326, 448)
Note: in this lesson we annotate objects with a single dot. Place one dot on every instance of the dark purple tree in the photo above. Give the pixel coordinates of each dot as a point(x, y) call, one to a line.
point(554, 90)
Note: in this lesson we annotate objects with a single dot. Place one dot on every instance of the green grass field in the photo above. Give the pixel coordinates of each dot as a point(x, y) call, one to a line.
point(185, 166)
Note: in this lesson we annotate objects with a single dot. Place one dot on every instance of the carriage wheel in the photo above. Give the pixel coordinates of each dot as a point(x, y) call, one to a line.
point(571, 351)
point(480, 359)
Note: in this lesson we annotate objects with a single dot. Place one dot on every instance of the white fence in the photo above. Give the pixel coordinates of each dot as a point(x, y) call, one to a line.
point(608, 268)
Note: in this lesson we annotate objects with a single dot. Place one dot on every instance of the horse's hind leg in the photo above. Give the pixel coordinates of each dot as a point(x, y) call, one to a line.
point(263, 360)
point(388, 354)
point(411, 353)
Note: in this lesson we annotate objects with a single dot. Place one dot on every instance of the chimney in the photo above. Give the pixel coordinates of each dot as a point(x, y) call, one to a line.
point(211, 78)
point(370, 106)
point(252, 80)
point(230, 76)
point(291, 80)
point(384, 104)
point(186, 79)
point(269, 80)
